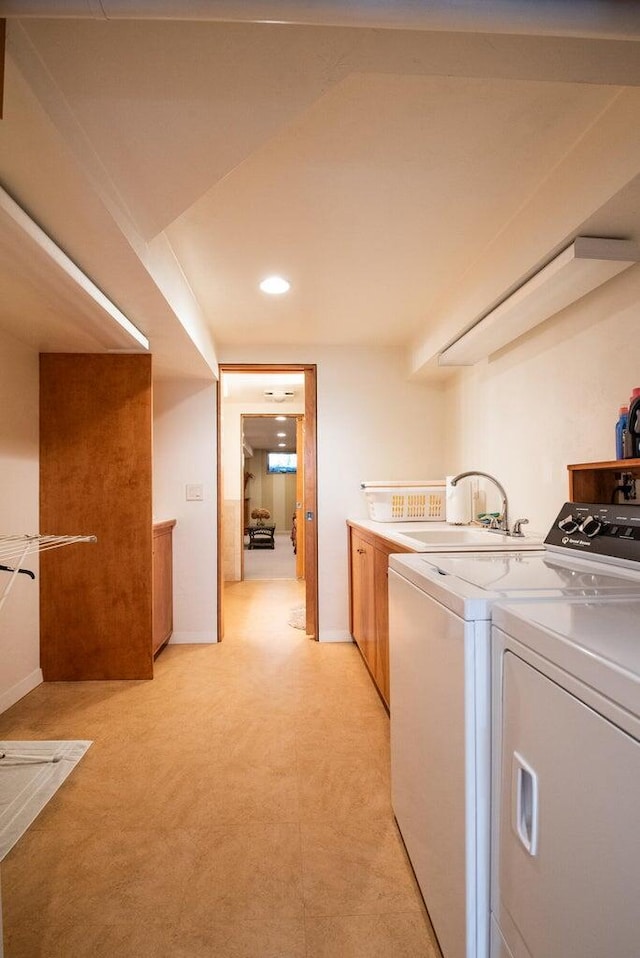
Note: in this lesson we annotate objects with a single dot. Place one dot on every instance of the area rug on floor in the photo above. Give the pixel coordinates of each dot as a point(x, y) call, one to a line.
point(30, 774)
point(298, 617)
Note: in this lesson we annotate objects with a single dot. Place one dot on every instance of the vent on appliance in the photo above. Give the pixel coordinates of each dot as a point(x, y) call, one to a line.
point(278, 395)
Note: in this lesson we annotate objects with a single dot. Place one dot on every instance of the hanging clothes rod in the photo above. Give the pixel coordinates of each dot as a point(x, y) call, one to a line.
point(8, 568)
point(17, 547)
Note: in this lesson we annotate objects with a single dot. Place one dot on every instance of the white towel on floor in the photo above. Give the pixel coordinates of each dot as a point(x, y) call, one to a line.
point(26, 786)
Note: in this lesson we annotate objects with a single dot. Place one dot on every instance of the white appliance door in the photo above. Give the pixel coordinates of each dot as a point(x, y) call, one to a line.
point(568, 834)
point(427, 674)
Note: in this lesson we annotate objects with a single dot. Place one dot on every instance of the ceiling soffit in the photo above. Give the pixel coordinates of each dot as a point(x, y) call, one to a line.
point(579, 18)
point(366, 164)
point(371, 201)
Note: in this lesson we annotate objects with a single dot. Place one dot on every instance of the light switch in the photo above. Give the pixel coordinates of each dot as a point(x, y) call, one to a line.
point(194, 492)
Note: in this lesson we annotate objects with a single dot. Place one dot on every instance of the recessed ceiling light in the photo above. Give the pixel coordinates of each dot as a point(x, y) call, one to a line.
point(281, 435)
point(281, 445)
point(281, 418)
point(274, 285)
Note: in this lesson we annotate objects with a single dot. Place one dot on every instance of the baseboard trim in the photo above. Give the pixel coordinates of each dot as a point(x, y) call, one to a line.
point(192, 638)
point(20, 689)
point(334, 635)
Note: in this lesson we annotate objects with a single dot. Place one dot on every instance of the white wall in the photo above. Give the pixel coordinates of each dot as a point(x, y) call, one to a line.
point(549, 400)
point(372, 424)
point(19, 464)
point(184, 437)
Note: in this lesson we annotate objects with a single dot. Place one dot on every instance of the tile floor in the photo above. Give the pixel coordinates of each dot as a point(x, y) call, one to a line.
point(235, 807)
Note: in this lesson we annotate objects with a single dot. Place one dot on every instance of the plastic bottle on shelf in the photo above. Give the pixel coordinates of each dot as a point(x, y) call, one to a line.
point(632, 448)
point(622, 426)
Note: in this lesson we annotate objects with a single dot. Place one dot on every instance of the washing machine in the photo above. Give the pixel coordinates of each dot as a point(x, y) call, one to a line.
point(440, 618)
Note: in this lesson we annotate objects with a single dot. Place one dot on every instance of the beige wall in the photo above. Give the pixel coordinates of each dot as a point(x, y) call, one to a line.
point(548, 400)
point(184, 452)
point(372, 424)
point(19, 464)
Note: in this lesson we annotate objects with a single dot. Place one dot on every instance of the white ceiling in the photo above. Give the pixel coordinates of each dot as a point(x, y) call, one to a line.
point(385, 173)
point(266, 432)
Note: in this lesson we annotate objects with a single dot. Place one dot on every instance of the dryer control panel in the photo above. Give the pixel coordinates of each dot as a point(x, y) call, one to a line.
point(600, 530)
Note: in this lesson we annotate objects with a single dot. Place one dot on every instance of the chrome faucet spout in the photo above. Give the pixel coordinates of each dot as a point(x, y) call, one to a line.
point(503, 525)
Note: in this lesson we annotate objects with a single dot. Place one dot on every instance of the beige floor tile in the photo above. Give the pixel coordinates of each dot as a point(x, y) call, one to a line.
point(233, 793)
point(356, 868)
point(74, 939)
point(242, 792)
point(58, 879)
point(245, 872)
point(274, 938)
point(387, 936)
point(336, 785)
point(97, 796)
point(327, 735)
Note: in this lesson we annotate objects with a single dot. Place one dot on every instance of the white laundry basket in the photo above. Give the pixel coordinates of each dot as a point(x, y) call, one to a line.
point(401, 501)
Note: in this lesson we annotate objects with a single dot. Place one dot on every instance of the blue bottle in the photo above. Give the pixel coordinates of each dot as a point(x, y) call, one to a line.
point(622, 426)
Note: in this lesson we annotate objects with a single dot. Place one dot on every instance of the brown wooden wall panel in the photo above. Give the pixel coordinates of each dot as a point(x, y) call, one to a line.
point(95, 478)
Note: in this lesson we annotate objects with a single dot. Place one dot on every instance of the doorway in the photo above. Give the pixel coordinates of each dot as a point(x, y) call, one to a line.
point(252, 396)
point(271, 503)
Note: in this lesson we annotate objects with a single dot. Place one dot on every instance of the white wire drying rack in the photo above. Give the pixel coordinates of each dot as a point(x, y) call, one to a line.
point(15, 549)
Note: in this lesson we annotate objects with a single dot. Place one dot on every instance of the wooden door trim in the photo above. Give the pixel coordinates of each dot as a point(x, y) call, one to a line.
point(219, 532)
point(310, 501)
point(299, 511)
point(311, 486)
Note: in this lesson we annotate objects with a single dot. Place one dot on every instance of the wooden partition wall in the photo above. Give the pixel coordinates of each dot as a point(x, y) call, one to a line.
point(95, 479)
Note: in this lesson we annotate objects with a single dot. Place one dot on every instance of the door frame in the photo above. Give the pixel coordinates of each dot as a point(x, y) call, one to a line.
point(310, 484)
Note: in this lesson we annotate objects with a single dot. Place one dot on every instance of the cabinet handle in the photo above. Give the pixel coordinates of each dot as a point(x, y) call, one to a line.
point(525, 804)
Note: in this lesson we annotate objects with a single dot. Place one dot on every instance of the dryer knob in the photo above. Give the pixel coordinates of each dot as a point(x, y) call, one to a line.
point(568, 524)
point(591, 527)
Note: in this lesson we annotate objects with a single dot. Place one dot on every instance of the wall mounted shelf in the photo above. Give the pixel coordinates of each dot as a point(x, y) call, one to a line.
point(596, 481)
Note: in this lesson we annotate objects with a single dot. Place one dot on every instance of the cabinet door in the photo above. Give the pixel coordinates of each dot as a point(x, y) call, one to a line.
point(381, 586)
point(363, 600)
point(569, 842)
point(162, 585)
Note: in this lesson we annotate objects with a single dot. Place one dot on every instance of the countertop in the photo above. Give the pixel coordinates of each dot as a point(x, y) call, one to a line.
point(399, 533)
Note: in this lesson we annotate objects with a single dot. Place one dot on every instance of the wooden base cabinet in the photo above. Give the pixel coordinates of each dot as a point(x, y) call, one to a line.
point(369, 603)
point(105, 607)
point(162, 583)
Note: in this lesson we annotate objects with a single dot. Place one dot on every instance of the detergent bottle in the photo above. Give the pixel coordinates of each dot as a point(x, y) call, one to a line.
point(632, 448)
point(622, 426)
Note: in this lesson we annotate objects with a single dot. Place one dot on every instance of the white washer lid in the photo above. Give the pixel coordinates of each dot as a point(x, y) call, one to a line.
point(547, 573)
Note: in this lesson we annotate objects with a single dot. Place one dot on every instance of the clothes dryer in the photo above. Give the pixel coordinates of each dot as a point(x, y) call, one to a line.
point(566, 755)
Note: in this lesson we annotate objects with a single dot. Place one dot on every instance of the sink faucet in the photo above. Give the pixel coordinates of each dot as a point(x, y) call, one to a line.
point(503, 523)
